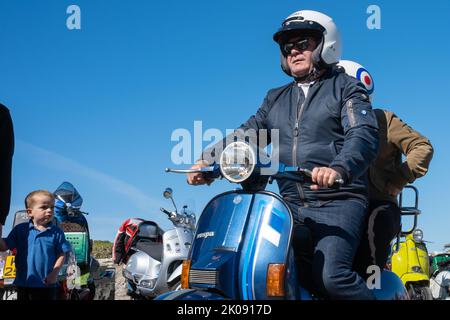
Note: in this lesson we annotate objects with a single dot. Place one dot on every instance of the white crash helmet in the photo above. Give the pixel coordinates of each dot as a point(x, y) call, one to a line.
point(357, 71)
point(328, 51)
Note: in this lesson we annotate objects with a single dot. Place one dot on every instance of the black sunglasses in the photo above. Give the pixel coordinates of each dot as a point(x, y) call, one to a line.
point(299, 45)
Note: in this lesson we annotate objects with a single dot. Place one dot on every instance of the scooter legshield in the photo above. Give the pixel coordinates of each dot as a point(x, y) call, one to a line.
point(239, 234)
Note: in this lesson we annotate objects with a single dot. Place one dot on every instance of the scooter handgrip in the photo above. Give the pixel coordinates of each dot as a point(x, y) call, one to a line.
point(165, 211)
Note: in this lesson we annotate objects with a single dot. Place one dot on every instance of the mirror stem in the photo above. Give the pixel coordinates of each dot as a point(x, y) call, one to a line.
point(176, 210)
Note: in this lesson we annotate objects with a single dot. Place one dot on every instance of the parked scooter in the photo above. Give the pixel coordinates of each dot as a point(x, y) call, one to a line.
point(155, 267)
point(78, 283)
point(7, 276)
point(440, 275)
point(410, 256)
point(243, 244)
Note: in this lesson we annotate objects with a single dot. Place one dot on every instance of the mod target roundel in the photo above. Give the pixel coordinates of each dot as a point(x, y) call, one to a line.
point(364, 76)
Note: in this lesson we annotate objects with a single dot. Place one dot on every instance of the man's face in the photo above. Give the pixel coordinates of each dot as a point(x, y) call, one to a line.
point(298, 59)
point(41, 210)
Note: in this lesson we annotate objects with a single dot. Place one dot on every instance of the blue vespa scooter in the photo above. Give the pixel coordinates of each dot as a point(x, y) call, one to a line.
point(242, 247)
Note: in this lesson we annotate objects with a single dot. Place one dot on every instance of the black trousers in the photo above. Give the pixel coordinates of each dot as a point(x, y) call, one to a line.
point(28, 294)
point(382, 225)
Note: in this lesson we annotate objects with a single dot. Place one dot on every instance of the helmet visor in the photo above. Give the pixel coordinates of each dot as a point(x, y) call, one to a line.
point(291, 29)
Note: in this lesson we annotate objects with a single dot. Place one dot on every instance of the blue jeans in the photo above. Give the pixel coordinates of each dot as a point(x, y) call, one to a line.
point(336, 227)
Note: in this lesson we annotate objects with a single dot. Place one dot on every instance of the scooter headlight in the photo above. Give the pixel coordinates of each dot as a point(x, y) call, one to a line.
point(148, 283)
point(237, 162)
point(127, 274)
point(418, 235)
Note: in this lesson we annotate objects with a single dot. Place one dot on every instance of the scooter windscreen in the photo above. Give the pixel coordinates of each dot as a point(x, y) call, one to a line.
point(66, 194)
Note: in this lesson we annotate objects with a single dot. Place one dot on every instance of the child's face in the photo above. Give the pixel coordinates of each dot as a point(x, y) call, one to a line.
point(42, 210)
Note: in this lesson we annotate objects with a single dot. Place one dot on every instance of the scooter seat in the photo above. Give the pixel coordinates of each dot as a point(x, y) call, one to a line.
point(153, 249)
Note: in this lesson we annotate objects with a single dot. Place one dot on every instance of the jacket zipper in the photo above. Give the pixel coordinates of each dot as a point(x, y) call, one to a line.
point(294, 147)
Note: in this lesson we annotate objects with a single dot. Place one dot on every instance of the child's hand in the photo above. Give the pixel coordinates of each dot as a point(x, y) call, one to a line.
point(51, 278)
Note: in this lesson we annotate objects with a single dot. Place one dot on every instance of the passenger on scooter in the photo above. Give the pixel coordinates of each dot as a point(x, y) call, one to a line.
point(388, 174)
point(325, 124)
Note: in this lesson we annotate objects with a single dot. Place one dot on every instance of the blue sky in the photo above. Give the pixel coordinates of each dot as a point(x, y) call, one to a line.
point(97, 106)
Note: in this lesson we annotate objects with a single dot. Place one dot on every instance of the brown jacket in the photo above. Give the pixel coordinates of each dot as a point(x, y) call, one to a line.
point(388, 172)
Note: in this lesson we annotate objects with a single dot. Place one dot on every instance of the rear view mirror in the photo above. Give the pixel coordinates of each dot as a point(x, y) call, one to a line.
point(168, 193)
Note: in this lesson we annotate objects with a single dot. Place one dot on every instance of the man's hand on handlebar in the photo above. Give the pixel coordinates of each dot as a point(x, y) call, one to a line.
point(324, 177)
point(198, 178)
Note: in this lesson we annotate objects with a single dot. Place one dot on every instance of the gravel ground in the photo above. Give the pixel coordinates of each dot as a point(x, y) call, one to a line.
point(120, 285)
point(110, 288)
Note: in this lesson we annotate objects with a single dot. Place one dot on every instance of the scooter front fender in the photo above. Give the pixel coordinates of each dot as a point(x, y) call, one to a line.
point(190, 294)
point(414, 277)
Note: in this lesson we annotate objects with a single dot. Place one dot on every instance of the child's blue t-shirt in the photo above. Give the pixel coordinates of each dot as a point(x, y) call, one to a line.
point(37, 252)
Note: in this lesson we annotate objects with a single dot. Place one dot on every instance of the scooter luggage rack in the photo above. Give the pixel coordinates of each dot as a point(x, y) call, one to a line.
point(410, 211)
point(407, 211)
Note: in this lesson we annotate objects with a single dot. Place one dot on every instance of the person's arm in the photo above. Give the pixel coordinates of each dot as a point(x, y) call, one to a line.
point(10, 241)
point(417, 149)
point(63, 246)
point(6, 154)
point(3, 245)
point(53, 275)
point(360, 127)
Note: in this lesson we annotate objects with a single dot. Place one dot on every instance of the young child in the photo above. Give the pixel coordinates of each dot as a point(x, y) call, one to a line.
point(40, 246)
